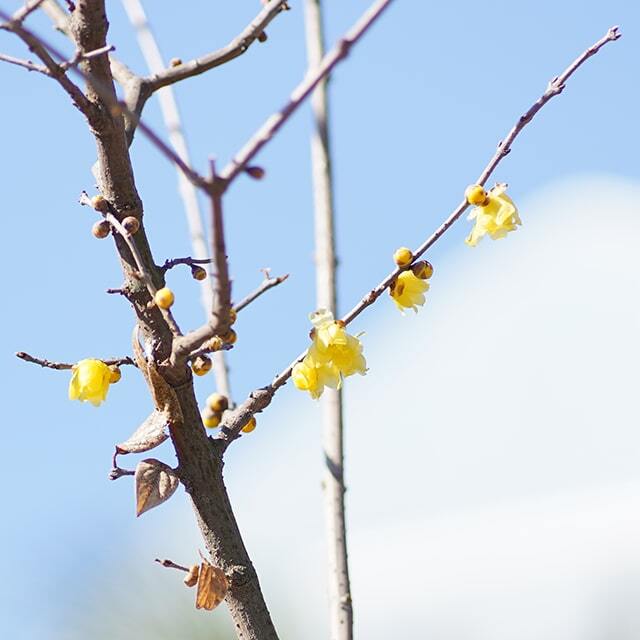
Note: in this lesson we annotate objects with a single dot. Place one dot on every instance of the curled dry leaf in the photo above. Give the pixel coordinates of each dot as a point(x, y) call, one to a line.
point(212, 587)
point(148, 435)
point(192, 576)
point(155, 482)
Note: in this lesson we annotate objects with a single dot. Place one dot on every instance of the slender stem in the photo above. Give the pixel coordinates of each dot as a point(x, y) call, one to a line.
point(67, 365)
point(266, 284)
point(27, 64)
point(340, 601)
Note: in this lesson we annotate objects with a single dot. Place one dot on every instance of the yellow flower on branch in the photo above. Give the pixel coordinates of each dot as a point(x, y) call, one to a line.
point(495, 213)
point(333, 355)
point(90, 381)
point(408, 291)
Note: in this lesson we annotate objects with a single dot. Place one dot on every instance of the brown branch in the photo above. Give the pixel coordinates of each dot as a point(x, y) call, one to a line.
point(29, 7)
point(301, 92)
point(265, 285)
point(174, 262)
point(118, 362)
point(170, 564)
point(259, 399)
point(26, 64)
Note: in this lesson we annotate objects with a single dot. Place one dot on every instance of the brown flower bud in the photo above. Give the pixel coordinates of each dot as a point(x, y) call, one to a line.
point(131, 225)
point(99, 203)
point(257, 173)
point(262, 36)
point(175, 62)
point(201, 365)
point(198, 273)
point(101, 229)
point(422, 269)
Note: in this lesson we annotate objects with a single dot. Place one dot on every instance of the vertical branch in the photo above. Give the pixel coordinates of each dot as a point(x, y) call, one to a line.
point(340, 606)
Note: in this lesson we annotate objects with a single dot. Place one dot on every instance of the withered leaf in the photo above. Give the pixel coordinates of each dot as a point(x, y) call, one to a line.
point(148, 435)
point(212, 587)
point(155, 483)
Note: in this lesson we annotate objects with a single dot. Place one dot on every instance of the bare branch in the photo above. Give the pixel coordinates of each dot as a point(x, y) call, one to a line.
point(302, 91)
point(27, 64)
point(239, 45)
point(259, 399)
point(267, 283)
point(170, 564)
point(118, 362)
point(29, 7)
point(174, 262)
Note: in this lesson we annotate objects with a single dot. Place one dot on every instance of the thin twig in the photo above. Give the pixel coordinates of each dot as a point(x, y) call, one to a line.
point(301, 92)
point(118, 472)
point(265, 285)
point(80, 56)
point(118, 362)
point(333, 485)
point(27, 64)
point(174, 262)
point(29, 7)
point(170, 564)
point(259, 399)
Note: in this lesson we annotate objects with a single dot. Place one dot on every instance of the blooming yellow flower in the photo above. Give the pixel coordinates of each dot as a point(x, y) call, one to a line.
point(408, 290)
point(90, 381)
point(333, 355)
point(496, 216)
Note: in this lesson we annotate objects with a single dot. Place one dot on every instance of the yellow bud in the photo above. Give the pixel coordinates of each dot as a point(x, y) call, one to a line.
point(233, 315)
point(164, 298)
point(101, 229)
point(116, 374)
point(250, 426)
point(198, 273)
point(217, 402)
point(422, 269)
point(210, 419)
point(230, 337)
point(403, 257)
point(131, 224)
point(201, 365)
point(99, 203)
point(475, 194)
point(175, 62)
point(191, 579)
point(215, 344)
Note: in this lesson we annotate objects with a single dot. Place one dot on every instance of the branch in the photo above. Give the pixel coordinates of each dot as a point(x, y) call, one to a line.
point(301, 92)
point(118, 362)
point(340, 603)
point(267, 283)
point(27, 64)
point(259, 399)
point(239, 45)
point(170, 264)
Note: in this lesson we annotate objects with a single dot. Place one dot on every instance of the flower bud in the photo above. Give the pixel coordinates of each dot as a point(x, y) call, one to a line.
point(191, 579)
point(233, 315)
point(422, 269)
point(198, 273)
point(475, 195)
point(262, 36)
point(217, 402)
point(116, 374)
point(164, 298)
point(230, 337)
point(175, 62)
point(215, 344)
point(131, 225)
point(403, 257)
point(210, 419)
point(257, 173)
point(101, 229)
point(250, 426)
point(201, 365)
point(99, 203)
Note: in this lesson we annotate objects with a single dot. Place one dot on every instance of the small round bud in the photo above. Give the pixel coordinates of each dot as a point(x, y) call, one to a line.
point(210, 419)
point(217, 402)
point(230, 337)
point(201, 365)
point(262, 36)
point(99, 203)
point(250, 426)
point(164, 298)
point(215, 344)
point(233, 315)
point(403, 257)
point(257, 173)
point(175, 62)
point(198, 273)
point(101, 229)
point(422, 269)
point(115, 375)
point(191, 579)
point(131, 225)
point(475, 194)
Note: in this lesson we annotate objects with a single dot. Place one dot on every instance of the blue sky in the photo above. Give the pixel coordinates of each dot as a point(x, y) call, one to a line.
point(417, 111)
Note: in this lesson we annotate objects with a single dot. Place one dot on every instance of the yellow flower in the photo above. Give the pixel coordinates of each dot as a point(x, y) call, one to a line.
point(408, 290)
point(334, 354)
point(90, 381)
point(497, 217)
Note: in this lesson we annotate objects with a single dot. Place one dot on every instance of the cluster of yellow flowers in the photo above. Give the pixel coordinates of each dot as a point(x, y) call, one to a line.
point(494, 213)
point(334, 354)
point(90, 381)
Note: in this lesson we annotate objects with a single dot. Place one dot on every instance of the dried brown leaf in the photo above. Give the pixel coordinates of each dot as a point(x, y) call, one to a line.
point(148, 435)
point(212, 587)
point(155, 482)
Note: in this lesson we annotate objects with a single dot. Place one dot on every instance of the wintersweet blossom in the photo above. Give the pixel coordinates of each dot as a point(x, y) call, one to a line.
point(495, 213)
point(408, 291)
point(90, 381)
point(334, 354)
